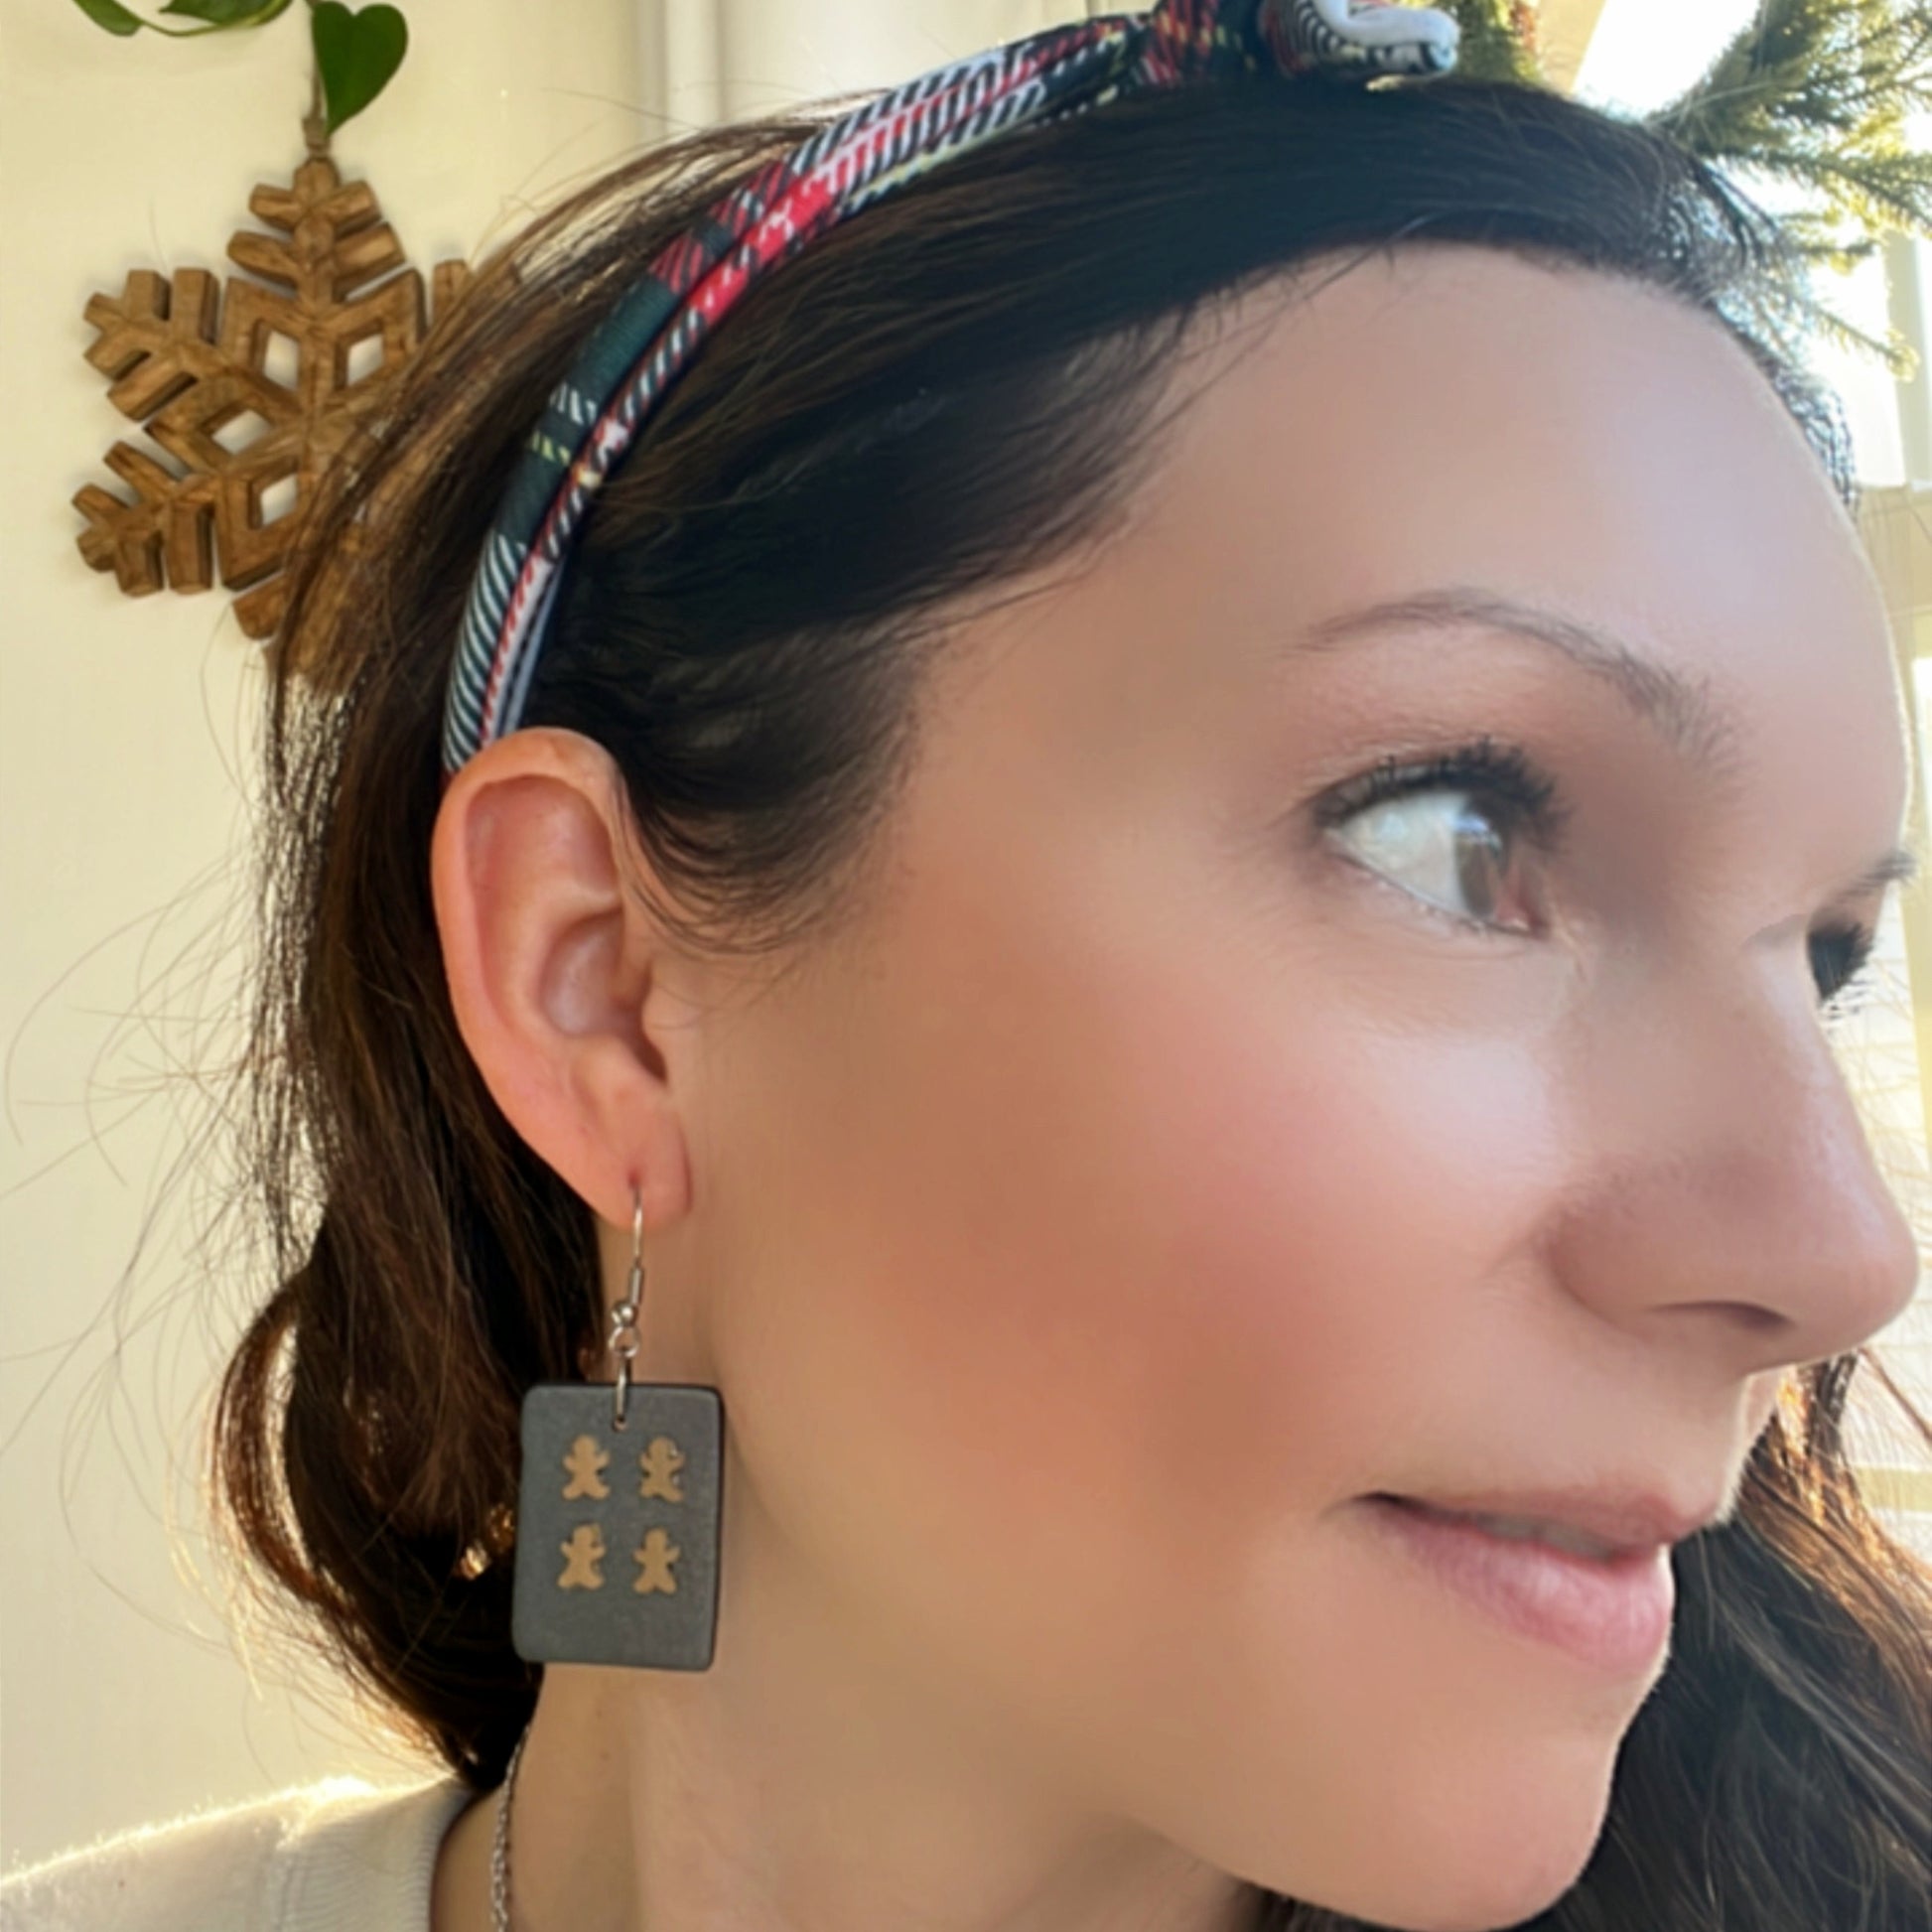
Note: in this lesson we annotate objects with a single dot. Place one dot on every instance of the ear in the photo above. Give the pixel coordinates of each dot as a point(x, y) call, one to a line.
point(560, 981)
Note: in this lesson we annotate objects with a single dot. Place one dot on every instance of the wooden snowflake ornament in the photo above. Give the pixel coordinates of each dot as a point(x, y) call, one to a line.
point(191, 361)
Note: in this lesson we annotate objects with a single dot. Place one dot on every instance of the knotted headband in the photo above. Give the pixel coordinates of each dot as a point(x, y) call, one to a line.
point(638, 350)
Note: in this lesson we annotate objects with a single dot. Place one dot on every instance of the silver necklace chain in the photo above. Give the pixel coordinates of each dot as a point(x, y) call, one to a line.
point(500, 1856)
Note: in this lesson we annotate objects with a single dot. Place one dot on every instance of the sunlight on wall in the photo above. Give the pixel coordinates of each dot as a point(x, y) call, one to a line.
point(1645, 51)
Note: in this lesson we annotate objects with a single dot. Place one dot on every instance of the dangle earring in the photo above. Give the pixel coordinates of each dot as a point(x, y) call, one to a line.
point(618, 1512)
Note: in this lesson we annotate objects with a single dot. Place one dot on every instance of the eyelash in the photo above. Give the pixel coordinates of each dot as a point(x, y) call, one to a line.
point(1531, 802)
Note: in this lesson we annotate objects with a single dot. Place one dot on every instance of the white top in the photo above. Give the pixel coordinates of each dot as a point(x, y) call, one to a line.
point(316, 1857)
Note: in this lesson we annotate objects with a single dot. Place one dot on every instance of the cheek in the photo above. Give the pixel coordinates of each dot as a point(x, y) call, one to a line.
point(1094, 1229)
point(1315, 1212)
point(1098, 1268)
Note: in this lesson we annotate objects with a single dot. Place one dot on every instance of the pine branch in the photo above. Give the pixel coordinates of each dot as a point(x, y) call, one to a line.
point(1892, 349)
point(1826, 85)
point(1876, 196)
point(1818, 95)
point(1844, 65)
point(1497, 40)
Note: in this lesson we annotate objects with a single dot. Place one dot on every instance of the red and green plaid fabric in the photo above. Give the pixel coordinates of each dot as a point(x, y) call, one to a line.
point(648, 340)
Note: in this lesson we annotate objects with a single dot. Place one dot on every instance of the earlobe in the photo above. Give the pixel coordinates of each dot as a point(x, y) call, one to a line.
point(548, 961)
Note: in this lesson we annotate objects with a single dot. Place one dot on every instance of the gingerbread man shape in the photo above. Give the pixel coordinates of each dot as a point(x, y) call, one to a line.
point(655, 1555)
point(660, 1462)
point(583, 1462)
point(585, 1552)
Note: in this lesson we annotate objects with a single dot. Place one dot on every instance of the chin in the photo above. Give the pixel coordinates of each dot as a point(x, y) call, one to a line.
point(1485, 1903)
point(1462, 1894)
point(1478, 1861)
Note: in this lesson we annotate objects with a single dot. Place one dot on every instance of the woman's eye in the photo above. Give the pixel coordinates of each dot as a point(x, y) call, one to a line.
point(1447, 831)
point(1839, 955)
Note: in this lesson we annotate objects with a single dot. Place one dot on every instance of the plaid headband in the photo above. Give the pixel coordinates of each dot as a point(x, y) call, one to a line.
point(648, 340)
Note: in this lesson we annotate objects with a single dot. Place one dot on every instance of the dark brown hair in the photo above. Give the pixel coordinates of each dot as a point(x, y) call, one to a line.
point(953, 388)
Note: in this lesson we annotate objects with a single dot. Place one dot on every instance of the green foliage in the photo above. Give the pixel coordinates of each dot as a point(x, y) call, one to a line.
point(215, 16)
point(356, 53)
point(115, 18)
point(1494, 44)
point(1816, 95)
point(227, 13)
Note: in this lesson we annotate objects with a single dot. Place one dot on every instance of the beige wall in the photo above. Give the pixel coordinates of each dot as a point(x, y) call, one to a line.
point(122, 726)
point(124, 733)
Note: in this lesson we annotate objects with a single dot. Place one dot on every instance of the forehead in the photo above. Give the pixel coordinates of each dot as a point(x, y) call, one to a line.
point(1443, 415)
point(1399, 413)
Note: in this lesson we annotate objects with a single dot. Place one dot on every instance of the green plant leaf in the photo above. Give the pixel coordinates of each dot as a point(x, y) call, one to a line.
point(115, 18)
point(229, 13)
point(357, 54)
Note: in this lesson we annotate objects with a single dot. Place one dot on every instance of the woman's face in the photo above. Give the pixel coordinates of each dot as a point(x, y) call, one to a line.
point(1156, 1173)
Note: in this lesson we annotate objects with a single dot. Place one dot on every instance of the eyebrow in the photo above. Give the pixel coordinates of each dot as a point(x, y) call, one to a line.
point(1679, 710)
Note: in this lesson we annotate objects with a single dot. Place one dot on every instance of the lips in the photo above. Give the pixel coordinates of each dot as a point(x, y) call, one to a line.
point(1612, 1614)
point(1524, 1529)
point(1607, 1520)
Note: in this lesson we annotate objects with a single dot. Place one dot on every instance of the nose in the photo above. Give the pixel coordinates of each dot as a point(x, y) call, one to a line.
point(1729, 1200)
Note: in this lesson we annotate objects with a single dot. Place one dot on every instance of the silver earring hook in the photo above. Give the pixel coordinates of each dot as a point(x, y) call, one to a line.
point(624, 1317)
